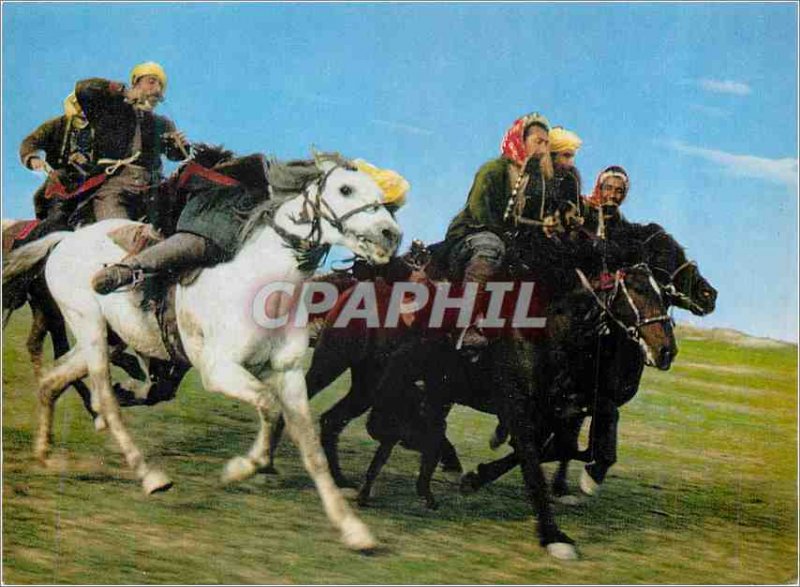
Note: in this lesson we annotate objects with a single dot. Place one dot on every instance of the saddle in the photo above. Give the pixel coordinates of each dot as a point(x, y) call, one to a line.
point(16, 231)
point(159, 290)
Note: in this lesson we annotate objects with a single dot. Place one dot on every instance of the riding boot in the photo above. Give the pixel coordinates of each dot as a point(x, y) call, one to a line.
point(479, 270)
point(183, 250)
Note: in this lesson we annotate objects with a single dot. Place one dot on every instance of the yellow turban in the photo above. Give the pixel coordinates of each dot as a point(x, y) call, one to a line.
point(73, 111)
point(562, 140)
point(149, 68)
point(393, 185)
point(71, 106)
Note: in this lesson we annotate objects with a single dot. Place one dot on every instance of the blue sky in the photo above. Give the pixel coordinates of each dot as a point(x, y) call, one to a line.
point(697, 101)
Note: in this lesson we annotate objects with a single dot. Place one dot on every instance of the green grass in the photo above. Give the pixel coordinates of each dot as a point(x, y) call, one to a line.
point(704, 492)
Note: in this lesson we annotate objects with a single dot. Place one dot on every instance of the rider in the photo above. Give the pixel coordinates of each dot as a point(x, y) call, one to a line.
point(209, 226)
point(610, 190)
point(512, 190)
point(129, 138)
point(62, 147)
point(564, 145)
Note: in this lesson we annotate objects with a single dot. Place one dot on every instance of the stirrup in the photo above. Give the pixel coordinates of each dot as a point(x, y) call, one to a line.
point(137, 277)
point(477, 326)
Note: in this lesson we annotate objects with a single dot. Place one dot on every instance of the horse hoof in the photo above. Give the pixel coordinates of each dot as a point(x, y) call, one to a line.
point(268, 470)
point(357, 536)
point(588, 485)
point(430, 503)
point(100, 423)
point(562, 551)
point(156, 481)
point(568, 499)
point(469, 483)
point(238, 469)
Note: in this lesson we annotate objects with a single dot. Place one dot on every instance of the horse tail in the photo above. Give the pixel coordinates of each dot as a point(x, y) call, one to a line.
point(24, 258)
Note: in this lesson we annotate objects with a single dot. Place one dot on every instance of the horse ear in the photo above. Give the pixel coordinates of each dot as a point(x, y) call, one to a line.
point(321, 159)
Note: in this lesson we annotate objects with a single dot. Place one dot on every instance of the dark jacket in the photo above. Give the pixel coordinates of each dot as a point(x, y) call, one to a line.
point(53, 138)
point(114, 123)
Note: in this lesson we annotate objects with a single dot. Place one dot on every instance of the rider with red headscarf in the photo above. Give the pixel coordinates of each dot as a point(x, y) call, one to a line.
point(512, 190)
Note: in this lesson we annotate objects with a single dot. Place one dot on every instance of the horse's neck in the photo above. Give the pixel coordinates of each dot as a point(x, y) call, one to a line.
point(266, 252)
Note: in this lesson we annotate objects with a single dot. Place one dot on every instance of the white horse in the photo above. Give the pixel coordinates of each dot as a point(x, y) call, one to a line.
point(338, 205)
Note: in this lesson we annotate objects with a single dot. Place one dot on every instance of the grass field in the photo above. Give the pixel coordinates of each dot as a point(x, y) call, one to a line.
point(705, 491)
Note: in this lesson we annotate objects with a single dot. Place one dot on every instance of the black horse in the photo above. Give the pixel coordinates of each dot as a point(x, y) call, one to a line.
point(611, 366)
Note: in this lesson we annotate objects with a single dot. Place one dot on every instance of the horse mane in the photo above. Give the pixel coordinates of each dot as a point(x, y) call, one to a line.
point(287, 180)
point(662, 244)
point(211, 155)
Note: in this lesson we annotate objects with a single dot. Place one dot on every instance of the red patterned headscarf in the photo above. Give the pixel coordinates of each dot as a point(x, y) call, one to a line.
point(513, 145)
point(596, 198)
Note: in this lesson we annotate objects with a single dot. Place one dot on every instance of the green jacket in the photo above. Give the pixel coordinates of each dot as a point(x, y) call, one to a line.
point(489, 196)
point(486, 203)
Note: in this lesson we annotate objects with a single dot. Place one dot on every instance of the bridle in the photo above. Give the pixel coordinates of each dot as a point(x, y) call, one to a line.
point(315, 209)
point(670, 289)
point(633, 331)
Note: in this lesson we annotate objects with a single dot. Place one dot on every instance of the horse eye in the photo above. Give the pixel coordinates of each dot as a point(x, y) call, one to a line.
point(345, 190)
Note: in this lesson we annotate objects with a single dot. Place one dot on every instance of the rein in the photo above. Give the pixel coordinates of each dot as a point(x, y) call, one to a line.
point(633, 331)
point(316, 209)
point(670, 289)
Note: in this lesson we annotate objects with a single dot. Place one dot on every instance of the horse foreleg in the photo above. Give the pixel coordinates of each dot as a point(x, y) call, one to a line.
point(294, 402)
point(431, 454)
point(450, 463)
point(357, 401)
point(602, 446)
point(332, 356)
point(52, 385)
point(488, 472)
point(382, 454)
point(234, 381)
point(567, 446)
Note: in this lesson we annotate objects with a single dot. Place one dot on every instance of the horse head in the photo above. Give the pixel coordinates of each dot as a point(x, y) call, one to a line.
point(337, 205)
point(680, 278)
point(691, 291)
point(632, 301)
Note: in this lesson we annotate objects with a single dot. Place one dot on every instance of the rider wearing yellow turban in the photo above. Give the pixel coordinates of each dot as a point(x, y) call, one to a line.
point(563, 140)
point(149, 68)
point(393, 185)
point(564, 145)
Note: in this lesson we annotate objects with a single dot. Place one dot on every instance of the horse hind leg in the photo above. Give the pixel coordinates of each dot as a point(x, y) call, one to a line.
point(95, 349)
point(52, 385)
point(35, 341)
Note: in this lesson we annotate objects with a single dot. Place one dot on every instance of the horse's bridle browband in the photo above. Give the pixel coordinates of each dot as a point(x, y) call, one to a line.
point(633, 331)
